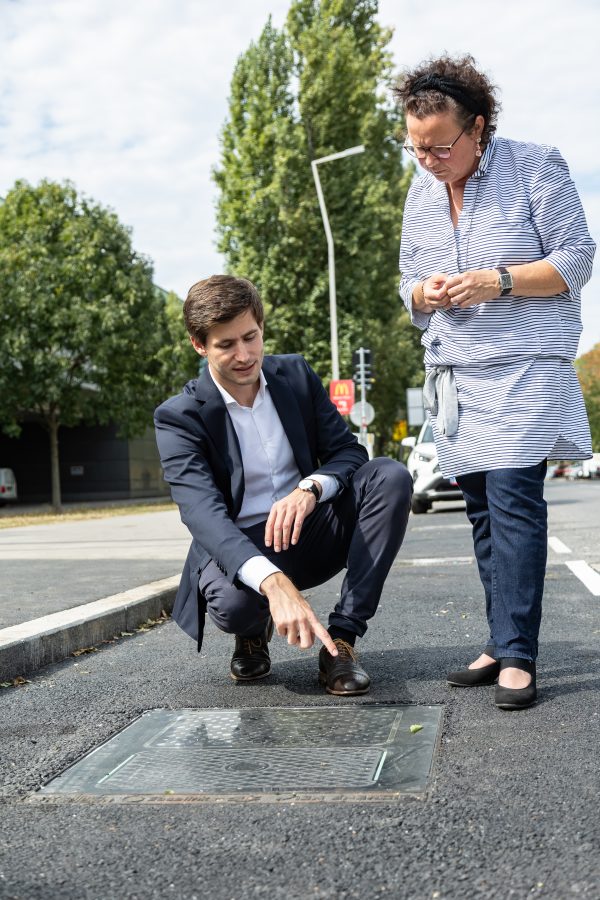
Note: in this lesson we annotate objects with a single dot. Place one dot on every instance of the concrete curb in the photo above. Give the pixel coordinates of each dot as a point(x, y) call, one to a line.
point(27, 647)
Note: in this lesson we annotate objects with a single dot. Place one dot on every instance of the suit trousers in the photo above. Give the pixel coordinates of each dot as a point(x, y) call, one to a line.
point(508, 513)
point(361, 530)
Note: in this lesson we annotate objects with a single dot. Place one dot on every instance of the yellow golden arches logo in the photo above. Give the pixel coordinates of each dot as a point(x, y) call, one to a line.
point(341, 390)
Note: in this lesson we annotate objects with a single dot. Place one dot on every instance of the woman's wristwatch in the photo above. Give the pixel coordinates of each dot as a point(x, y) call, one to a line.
point(505, 281)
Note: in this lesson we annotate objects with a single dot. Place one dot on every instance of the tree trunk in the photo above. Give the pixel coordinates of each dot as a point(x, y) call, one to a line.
point(53, 426)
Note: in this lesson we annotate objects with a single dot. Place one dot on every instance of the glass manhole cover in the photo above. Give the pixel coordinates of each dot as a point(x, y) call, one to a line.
point(269, 753)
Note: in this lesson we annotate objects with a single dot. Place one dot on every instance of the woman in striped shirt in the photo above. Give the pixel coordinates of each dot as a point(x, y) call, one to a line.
point(494, 253)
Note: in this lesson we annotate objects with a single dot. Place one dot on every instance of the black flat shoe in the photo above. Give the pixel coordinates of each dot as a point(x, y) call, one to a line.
point(251, 659)
point(342, 675)
point(474, 677)
point(516, 698)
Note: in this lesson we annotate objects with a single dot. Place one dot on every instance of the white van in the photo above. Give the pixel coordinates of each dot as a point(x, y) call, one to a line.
point(8, 486)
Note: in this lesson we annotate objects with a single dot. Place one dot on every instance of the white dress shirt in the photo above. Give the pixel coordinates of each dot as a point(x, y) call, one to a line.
point(270, 469)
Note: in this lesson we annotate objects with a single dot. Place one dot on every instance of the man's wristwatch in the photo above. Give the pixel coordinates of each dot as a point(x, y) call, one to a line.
point(505, 281)
point(307, 485)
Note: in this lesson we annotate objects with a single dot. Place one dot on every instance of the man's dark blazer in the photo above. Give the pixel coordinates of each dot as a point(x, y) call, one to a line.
point(201, 460)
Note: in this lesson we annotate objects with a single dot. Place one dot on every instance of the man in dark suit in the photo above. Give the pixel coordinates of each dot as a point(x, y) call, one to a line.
point(277, 493)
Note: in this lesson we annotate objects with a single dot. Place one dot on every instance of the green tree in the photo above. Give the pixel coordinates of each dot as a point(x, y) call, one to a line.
point(177, 359)
point(588, 371)
point(318, 86)
point(81, 320)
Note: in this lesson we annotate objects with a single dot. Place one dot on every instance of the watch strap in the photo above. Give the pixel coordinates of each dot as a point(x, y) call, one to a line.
point(313, 490)
point(505, 282)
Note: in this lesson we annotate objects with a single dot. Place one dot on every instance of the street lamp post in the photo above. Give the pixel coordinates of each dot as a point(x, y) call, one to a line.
point(335, 364)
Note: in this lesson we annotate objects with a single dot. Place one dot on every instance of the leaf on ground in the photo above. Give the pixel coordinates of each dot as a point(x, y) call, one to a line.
point(16, 682)
point(414, 728)
point(84, 650)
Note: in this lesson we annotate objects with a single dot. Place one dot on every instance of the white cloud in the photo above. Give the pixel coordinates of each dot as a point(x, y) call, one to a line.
point(127, 101)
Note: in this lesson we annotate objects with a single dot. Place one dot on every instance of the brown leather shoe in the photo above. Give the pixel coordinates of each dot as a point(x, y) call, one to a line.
point(342, 674)
point(251, 658)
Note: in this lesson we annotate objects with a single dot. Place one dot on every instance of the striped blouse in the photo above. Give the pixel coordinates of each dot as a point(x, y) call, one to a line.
point(519, 398)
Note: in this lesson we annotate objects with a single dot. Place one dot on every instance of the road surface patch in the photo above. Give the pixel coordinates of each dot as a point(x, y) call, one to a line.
point(366, 751)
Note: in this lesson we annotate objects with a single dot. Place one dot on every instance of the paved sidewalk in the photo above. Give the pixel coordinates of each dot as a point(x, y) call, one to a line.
point(48, 568)
point(54, 575)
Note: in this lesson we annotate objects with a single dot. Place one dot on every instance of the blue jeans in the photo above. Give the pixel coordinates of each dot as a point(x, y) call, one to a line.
point(507, 510)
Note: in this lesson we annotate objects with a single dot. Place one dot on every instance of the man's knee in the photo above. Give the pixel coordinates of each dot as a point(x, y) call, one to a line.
point(388, 476)
point(237, 611)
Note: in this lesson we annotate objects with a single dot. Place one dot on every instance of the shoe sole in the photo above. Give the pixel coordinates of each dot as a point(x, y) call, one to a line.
point(252, 678)
point(516, 706)
point(478, 684)
point(323, 681)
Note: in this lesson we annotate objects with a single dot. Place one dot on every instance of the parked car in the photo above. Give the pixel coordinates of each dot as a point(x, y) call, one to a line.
point(573, 473)
point(428, 482)
point(8, 486)
point(557, 470)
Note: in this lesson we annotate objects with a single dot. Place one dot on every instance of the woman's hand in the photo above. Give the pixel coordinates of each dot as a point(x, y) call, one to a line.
point(430, 294)
point(471, 288)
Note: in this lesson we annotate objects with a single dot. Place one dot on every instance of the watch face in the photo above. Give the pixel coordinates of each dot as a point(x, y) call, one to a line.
point(506, 280)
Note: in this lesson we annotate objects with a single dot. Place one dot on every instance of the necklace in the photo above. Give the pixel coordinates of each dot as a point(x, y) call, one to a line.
point(470, 223)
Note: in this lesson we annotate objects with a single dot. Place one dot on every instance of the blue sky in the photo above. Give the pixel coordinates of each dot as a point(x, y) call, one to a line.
point(127, 100)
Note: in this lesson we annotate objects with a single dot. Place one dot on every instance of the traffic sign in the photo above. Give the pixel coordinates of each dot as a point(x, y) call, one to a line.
point(414, 406)
point(356, 413)
point(341, 393)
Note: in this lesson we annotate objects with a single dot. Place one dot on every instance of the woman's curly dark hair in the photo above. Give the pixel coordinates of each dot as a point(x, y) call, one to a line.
point(474, 89)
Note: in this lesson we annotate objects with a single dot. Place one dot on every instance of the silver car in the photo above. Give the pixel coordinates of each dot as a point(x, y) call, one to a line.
point(428, 482)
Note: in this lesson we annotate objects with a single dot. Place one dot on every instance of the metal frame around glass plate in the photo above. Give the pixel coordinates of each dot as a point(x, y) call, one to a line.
point(365, 751)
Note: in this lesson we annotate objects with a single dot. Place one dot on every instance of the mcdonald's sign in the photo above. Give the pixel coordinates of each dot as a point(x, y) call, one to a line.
point(341, 393)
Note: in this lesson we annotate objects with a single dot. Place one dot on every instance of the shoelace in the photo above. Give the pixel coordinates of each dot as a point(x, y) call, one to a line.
point(345, 650)
point(252, 644)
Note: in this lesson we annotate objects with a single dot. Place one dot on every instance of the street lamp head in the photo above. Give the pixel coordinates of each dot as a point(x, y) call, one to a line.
point(351, 151)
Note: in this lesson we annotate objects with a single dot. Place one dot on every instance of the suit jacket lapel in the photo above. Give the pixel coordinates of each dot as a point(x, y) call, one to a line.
point(217, 422)
point(289, 412)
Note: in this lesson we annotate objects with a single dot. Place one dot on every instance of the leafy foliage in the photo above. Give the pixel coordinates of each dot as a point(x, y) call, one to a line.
point(177, 359)
point(81, 321)
point(588, 370)
point(316, 87)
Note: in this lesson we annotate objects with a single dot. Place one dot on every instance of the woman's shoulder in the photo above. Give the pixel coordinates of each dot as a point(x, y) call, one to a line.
point(527, 154)
point(423, 186)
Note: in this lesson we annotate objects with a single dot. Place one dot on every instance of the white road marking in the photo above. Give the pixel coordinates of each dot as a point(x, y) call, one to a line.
point(440, 526)
point(558, 546)
point(437, 561)
point(587, 575)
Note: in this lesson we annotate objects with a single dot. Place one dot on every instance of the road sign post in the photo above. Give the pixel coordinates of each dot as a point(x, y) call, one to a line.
point(414, 406)
point(362, 412)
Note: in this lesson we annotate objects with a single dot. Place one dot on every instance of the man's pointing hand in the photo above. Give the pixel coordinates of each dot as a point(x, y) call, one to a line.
point(293, 615)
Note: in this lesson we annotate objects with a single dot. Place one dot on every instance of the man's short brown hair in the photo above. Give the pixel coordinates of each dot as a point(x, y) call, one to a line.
point(219, 298)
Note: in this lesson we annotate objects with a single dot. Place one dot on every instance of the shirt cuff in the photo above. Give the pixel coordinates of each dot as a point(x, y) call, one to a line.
point(254, 571)
point(329, 484)
point(420, 319)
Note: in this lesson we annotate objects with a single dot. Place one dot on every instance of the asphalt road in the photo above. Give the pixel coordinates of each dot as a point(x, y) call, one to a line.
point(512, 808)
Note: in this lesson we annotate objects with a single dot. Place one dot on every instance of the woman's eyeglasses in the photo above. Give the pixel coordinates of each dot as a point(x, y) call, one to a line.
point(440, 152)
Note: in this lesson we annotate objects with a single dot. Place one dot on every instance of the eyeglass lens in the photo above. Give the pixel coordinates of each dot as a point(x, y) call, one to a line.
point(421, 153)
